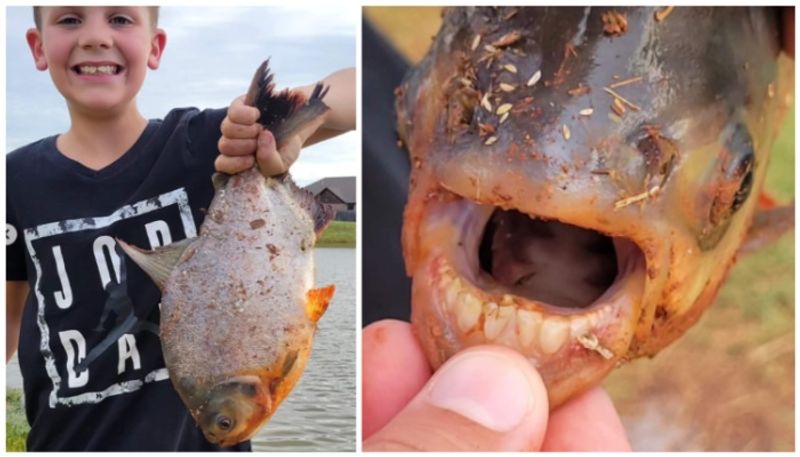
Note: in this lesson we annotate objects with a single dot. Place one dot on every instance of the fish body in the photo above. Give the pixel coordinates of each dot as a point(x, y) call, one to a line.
point(583, 177)
point(239, 310)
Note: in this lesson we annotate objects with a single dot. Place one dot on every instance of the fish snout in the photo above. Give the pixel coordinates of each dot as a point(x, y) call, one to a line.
point(235, 409)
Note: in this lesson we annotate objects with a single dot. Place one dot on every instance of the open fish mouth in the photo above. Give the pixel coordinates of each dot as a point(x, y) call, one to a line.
point(544, 287)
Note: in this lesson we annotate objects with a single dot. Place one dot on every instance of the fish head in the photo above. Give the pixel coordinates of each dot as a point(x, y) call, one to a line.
point(236, 408)
point(583, 222)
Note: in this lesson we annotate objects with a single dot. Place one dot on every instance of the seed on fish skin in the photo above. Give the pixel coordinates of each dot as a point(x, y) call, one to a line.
point(580, 90)
point(491, 49)
point(586, 112)
point(503, 117)
point(510, 67)
point(468, 311)
point(662, 14)
point(504, 108)
point(553, 334)
point(565, 131)
point(535, 78)
point(770, 90)
point(466, 82)
point(475, 42)
point(528, 323)
point(617, 107)
point(496, 322)
point(622, 99)
point(491, 140)
point(508, 39)
point(506, 87)
point(591, 342)
point(485, 102)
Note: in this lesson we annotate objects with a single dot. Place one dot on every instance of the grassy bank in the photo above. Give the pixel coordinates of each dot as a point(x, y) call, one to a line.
point(339, 234)
point(16, 425)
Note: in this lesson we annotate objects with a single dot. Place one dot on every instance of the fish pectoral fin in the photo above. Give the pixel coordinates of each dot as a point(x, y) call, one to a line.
point(768, 225)
point(317, 301)
point(158, 263)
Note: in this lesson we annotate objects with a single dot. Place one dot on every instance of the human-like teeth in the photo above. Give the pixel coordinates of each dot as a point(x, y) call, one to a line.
point(496, 320)
point(468, 310)
point(553, 334)
point(102, 69)
point(528, 323)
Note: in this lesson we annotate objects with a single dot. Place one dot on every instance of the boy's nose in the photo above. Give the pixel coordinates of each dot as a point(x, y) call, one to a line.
point(95, 36)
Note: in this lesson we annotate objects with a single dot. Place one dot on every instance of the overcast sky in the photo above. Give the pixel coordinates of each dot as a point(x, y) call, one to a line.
point(209, 59)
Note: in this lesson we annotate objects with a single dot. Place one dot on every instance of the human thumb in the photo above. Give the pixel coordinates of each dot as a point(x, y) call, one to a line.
point(486, 398)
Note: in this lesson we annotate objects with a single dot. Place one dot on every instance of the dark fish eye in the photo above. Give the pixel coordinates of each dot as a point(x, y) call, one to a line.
point(224, 423)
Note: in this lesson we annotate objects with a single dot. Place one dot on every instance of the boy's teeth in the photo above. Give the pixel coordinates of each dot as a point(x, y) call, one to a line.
point(102, 69)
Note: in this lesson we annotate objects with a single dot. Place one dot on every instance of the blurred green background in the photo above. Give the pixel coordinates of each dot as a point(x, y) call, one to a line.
point(728, 383)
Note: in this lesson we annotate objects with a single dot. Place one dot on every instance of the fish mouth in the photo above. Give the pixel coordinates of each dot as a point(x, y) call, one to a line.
point(554, 291)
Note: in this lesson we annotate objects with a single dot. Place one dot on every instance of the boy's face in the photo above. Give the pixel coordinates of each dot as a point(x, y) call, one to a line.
point(97, 56)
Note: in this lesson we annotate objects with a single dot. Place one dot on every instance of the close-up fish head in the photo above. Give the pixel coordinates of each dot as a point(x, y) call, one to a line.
point(239, 310)
point(235, 410)
point(582, 178)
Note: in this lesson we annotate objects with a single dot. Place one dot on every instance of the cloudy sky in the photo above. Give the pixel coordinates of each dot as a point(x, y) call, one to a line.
point(210, 57)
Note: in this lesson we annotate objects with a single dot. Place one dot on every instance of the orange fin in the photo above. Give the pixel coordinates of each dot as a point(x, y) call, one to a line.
point(766, 201)
point(317, 301)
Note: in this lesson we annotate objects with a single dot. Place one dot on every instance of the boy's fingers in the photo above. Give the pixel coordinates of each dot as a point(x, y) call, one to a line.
point(269, 161)
point(588, 422)
point(486, 398)
point(240, 113)
point(233, 130)
point(231, 147)
point(233, 165)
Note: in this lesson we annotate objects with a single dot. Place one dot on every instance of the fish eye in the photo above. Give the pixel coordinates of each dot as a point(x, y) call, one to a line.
point(224, 423)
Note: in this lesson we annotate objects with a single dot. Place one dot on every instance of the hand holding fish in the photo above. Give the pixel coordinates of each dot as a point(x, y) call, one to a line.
point(244, 141)
point(486, 398)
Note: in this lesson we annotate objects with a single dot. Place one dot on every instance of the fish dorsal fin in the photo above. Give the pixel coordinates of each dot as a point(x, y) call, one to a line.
point(317, 301)
point(158, 263)
point(768, 225)
point(321, 214)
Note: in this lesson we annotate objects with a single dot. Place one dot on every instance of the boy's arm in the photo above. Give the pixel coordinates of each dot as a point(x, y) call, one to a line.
point(244, 141)
point(341, 98)
point(16, 293)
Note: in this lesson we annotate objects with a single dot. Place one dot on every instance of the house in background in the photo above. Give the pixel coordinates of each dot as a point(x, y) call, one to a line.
point(340, 193)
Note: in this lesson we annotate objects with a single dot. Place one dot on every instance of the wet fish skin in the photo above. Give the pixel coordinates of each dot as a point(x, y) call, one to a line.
point(239, 309)
point(677, 173)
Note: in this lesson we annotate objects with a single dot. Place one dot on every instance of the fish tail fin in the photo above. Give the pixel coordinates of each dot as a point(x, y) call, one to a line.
point(287, 111)
point(317, 301)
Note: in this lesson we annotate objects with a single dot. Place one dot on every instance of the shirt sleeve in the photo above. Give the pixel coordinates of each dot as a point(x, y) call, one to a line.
point(15, 249)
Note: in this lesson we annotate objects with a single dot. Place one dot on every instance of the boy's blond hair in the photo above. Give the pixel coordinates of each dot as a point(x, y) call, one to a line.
point(37, 16)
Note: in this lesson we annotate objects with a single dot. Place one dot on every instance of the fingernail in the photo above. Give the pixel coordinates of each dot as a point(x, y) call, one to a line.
point(485, 387)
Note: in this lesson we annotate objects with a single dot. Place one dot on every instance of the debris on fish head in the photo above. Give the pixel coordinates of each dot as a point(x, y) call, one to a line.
point(239, 309)
point(583, 177)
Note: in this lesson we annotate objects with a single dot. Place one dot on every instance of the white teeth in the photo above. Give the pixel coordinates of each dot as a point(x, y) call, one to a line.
point(468, 311)
point(579, 325)
point(102, 69)
point(553, 334)
point(496, 321)
point(528, 323)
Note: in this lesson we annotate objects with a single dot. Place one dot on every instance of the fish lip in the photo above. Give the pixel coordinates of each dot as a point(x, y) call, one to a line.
point(612, 315)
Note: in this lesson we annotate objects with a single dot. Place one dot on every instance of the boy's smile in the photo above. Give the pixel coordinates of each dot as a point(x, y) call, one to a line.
point(97, 56)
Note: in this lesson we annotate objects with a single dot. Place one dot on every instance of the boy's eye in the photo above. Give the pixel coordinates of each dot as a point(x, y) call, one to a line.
point(69, 19)
point(120, 19)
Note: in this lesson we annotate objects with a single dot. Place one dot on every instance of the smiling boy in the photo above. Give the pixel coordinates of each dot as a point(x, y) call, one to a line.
point(114, 174)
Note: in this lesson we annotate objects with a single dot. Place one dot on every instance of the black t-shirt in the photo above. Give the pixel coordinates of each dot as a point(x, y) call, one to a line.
point(62, 222)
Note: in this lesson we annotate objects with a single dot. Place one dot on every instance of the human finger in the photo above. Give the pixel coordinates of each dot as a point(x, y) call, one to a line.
point(486, 398)
point(233, 164)
point(588, 422)
point(230, 129)
point(394, 369)
point(239, 113)
point(232, 147)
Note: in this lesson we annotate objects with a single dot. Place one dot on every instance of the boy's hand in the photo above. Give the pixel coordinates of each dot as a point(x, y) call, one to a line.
point(244, 141)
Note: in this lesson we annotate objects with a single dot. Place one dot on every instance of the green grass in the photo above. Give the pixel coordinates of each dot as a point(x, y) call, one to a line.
point(339, 234)
point(16, 425)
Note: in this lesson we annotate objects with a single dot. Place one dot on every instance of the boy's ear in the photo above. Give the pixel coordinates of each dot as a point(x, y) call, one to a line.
point(34, 38)
point(157, 45)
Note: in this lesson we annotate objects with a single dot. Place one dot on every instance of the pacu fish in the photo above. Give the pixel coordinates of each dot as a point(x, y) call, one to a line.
point(238, 309)
point(582, 178)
